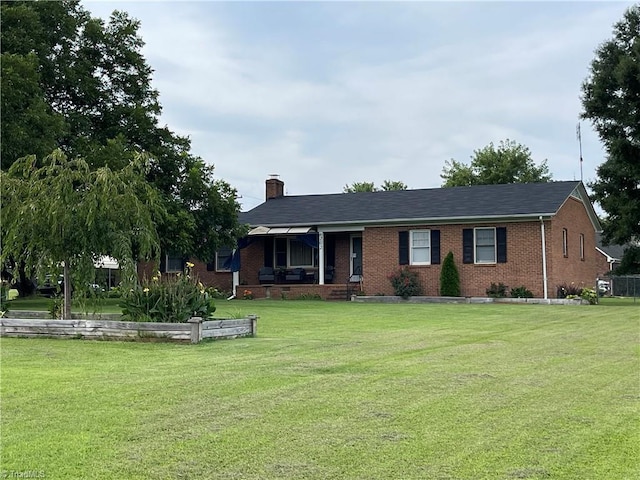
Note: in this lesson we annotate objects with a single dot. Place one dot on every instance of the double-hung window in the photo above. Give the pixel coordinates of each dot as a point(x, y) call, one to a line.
point(300, 254)
point(173, 263)
point(420, 241)
point(582, 246)
point(565, 243)
point(223, 259)
point(485, 245)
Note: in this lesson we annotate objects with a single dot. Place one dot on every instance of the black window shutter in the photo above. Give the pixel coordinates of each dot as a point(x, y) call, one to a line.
point(403, 248)
point(501, 244)
point(435, 247)
point(268, 251)
point(467, 245)
point(163, 262)
point(211, 266)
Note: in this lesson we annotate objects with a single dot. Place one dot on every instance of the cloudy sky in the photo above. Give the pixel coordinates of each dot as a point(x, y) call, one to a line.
point(325, 94)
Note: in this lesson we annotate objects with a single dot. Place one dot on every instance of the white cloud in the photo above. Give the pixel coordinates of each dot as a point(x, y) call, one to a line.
point(328, 94)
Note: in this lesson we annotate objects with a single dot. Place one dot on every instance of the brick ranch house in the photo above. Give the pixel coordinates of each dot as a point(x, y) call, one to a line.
point(538, 235)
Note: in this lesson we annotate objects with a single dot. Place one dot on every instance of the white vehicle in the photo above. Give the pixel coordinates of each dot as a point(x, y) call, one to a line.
point(603, 287)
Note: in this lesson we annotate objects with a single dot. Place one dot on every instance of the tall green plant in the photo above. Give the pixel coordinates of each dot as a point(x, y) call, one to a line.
point(172, 299)
point(449, 277)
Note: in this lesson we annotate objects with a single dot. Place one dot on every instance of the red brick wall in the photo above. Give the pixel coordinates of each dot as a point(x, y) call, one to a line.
point(343, 250)
point(221, 280)
point(571, 269)
point(523, 267)
point(251, 260)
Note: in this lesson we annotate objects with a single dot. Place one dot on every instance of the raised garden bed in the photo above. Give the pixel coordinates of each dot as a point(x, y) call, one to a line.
point(194, 331)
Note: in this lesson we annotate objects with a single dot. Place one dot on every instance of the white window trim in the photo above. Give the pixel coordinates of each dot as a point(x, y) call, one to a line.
point(475, 247)
point(289, 264)
point(411, 247)
point(565, 242)
point(582, 246)
point(217, 263)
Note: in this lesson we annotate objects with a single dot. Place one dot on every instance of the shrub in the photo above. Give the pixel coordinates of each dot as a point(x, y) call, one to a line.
point(590, 295)
point(115, 292)
point(406, 283)
point(56, 305)
point(217, 294)
point(247, 295)
point(169, 300)
point(449, 278)
point(497, 290)
point(567, 291)
point(521, 292)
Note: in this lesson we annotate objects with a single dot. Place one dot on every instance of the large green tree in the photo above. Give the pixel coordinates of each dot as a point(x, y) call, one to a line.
point(509, 162)
point(57, 211)
point(28, 124)
point(611, 100)
point(87, 90)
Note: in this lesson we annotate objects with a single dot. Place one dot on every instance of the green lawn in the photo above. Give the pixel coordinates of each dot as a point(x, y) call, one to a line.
point(338, 391)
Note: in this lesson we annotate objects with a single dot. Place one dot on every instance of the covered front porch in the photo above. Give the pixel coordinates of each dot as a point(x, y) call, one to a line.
point(294, 262)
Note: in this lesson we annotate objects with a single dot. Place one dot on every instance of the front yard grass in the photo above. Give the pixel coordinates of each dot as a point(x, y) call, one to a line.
point(337, 391)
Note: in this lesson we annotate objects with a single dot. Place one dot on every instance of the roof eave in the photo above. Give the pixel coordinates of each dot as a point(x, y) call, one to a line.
point(421, 220)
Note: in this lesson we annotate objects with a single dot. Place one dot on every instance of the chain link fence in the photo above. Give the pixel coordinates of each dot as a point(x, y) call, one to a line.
point(625, 286)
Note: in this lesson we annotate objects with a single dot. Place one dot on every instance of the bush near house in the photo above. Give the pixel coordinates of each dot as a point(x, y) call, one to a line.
point(449, 278)
point(521, 292)
point(405, 283)
point(497, 290)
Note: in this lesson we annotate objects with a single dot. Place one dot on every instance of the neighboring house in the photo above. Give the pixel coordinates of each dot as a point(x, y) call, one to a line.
point(539, 235)
point(609, 256)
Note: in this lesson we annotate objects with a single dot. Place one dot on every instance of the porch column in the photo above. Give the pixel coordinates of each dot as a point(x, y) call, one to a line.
point(321, 257)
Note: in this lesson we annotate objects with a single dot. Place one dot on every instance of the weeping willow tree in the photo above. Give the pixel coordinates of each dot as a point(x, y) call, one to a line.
point(57, 212)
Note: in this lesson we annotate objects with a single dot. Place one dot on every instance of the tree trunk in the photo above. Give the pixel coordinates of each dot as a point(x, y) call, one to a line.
point(24, 285)
point(66, 312)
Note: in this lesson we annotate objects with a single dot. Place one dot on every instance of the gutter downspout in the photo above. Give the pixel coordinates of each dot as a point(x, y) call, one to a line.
point(544, 259)
point(235, 281)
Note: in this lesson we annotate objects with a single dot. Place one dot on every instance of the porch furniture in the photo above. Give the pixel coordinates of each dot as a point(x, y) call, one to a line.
point(329, 271)
point(297, 275)
point(266, 275)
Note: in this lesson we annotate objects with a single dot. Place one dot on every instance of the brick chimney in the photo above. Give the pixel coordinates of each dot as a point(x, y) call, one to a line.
point(275, 187)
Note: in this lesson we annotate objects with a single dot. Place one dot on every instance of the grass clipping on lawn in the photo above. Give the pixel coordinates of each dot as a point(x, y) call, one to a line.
point(338, 390)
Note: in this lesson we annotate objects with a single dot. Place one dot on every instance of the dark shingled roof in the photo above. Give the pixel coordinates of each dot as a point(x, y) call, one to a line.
point(614, 251)
point(481, 201)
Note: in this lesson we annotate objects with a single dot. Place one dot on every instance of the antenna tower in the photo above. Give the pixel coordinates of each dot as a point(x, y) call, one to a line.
point(579, 135)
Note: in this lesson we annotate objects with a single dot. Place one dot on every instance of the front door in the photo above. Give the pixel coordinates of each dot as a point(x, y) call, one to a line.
point(356, 258)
